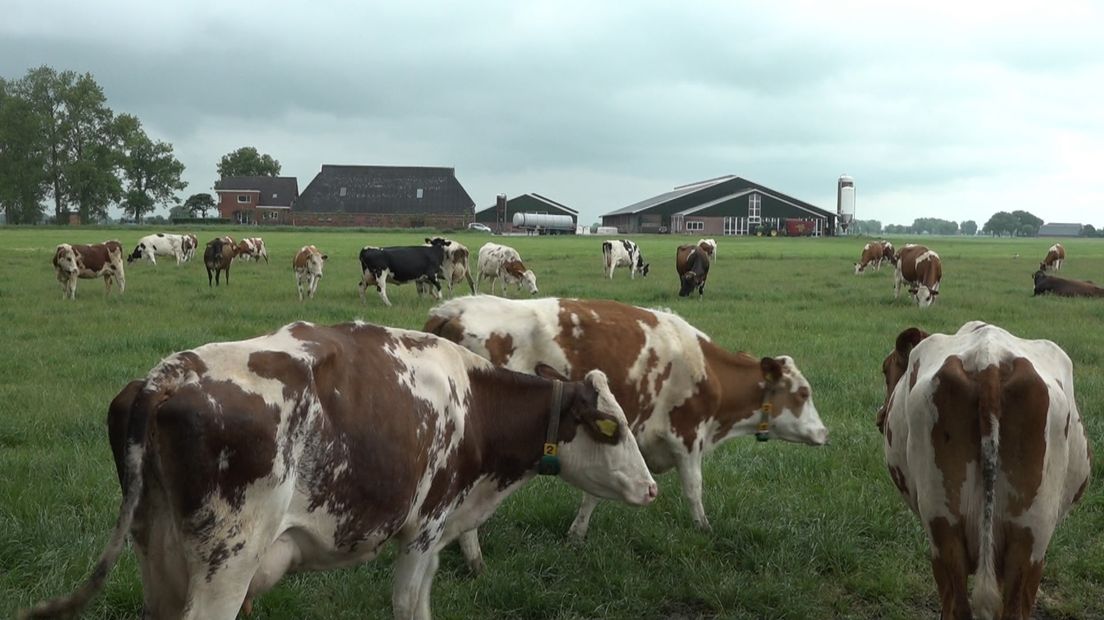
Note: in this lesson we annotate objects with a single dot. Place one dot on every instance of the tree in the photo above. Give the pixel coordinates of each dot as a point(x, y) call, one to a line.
point(1088, 230)
point(969, 227)
point(247, 162)
point(1028, 223)
point(22, 158)
point(934, 226)
point(1001, 223)
point(866, 227)
point(200, 203)
point(151, 172)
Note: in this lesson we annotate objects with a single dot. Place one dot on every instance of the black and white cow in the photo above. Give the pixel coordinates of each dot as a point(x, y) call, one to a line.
point(623, 253)
point(400, 265)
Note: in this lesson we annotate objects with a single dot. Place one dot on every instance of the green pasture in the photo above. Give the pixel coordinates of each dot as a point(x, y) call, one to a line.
point(799, 532)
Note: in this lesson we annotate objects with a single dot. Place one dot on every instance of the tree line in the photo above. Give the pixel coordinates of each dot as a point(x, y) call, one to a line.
point(1001, 224)
point(63, 151)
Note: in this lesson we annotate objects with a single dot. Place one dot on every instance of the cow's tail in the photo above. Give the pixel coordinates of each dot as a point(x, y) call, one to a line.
point(986, 598)
point(127, 427)
point(607, 253)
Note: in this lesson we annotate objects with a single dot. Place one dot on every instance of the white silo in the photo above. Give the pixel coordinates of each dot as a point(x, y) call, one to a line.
point(845, 201)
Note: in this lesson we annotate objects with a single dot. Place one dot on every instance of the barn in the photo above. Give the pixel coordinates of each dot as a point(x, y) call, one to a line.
point(722, 206)
point(526, 203)
point(257, 199)
point(384, 197)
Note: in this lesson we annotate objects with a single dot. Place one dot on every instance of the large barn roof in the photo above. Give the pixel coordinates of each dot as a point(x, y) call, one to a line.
point(385, 189)
point(739, 186)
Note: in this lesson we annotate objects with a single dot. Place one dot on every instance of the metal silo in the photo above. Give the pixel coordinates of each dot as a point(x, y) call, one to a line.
point(845, 201)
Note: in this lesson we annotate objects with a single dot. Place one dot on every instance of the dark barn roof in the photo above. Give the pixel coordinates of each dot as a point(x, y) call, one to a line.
point(1060, 229)
point(385, 189)
point(527, 203)
point(275, 191)
point(710, 192)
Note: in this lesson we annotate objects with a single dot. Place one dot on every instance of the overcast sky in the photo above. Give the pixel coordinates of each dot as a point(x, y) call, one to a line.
point(937, 109)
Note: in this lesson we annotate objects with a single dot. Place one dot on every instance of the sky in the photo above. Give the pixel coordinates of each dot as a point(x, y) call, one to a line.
point(939, 109)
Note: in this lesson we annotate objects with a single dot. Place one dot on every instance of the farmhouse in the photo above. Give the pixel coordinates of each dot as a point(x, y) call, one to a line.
point(728, 205)
point(526, 203)
point(257, 200)
point(1057, 229)
point(384, 197)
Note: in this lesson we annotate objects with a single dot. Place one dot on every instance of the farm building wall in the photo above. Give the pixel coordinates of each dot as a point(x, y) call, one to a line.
point(381, 220)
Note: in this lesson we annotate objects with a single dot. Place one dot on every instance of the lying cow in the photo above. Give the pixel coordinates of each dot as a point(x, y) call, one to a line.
point(217, 258)
point(308, 263)
point(1063, 287)
point(623, 253)
point(160, 244)
point(709, 246)
point(692, 265)
point(922, 270)
point(75, 261)
point(683, 395)
point(1054, 258)
point(252, 248)
point(501, 261)
point(399, 265)
point(189, 244)
point(243, 461)
point(455, 266)
point(984, 441)
point(873, 255)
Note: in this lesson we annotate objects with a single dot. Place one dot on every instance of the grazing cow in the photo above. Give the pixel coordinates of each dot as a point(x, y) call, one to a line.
point(873, 255)
point(161, 244)
point(1065, 288)
point(709, 246)
point(189, 244)
point(75, 261)
point(692, 265)
point(455, 266)
point(400, 265)
point(243, 461)
point(888, 255)
point(500, 261)
point(308, 264)
point(252, 248)
point(623, 253)
point(218, 256)
point(683, 395)
point(1055, 256)
point(984, 441)
point(922, 270)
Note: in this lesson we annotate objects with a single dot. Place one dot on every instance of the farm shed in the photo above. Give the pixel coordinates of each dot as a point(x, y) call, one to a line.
point(257, 200)
point(1058, 229)
point(724, 206)
point(384, 197)
point(525, 203)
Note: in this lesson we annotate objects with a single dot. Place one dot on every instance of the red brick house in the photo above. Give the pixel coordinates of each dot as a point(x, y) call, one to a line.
point(257, 200)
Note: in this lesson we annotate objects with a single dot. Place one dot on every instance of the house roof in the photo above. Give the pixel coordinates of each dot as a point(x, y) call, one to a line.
point(554, 203)
point(275, 191)
point(739, 185)
point(678, 192)
point(537, 197)
point(1059, 229)
point(385, 189)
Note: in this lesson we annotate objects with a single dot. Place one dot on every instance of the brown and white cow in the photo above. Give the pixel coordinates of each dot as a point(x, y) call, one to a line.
point(252, 248)
point(922, 270)
point(75, 261)
point(501, 261)
point(218, 256)
point(888, 255)
point(308, 263)
point(873, 255)
point(692, 266)
point(709, 246)
point(683, 394)
point(190, 243)
point(984, 441)
point(243, 461)
point(455, 266)
point(1055, 256)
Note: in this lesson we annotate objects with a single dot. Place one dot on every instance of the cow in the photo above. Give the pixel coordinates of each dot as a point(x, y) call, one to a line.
point(692, 265)
point(984, 442)
point(252, 248)
point(308, 263)
point(189, 244)
point(218, 256)
point(1063, 287)
point(623, 253)
point(873, 255)
point(683, 395)
point(400, 265)
point(150, 246)
point(501, 261)
point(1055, 256)
point(922, 270)
point(888, 255)
point(75, 261)
point(240, 462)
point(709, 246)
point(455, 266)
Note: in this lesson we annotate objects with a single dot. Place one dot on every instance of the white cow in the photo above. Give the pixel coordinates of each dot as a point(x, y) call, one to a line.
point(500, 261)
point(623, 253)
point(308, 265)
point(160, 244)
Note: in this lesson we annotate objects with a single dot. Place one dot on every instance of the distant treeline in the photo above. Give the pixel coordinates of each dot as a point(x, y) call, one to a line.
point(1001, 224)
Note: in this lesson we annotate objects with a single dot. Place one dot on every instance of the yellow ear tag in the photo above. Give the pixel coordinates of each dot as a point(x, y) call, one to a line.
point(763, 427)
point(551, 449)
point(607, 427)
point(768, 408)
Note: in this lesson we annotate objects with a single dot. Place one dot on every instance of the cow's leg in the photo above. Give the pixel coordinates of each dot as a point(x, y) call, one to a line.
point(473, 554)
point(436, 287)
point(107, 283)
point(422, 612)
point(471, 284)
point(1021, 575)
point(381, 286)
point(897, 280)
point(120, 278)
point(689, 468)
point(208, 276)
point(362, 287)
point(312, 286)
point(950, 566)
point(299, 285)
point(581, 523)
point(411, 568)
point(227, 278)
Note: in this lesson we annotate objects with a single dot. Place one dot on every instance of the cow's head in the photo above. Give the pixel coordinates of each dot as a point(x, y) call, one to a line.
point(598, 451)
point(641, 267)
point(137, 253)
point(315, 261)
point(1038, 277)
point(858, 268)
point(896, 365)
point(925, 296)
point(65, 259)
point(791, 412)
point(525, 278)
point(438, 241)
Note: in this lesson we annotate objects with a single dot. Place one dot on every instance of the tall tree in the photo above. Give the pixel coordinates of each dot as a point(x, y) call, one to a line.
point(199, 203)
point(1028, 223)
point(151, 172)
point(1001, 223)
point(247, 162)
point(22, 157)
point(969, 227)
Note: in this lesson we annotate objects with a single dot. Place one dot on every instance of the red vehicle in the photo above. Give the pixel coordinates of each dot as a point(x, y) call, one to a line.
point(799, 228)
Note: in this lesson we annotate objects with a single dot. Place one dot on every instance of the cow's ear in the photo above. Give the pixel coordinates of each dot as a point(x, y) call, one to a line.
point(548, 372)
point(908, 339)
point(772, 369)
point(324, 257)
point(428, 240)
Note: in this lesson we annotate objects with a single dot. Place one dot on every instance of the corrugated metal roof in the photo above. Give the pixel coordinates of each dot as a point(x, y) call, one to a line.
point(1059, 229)
point(678, 192)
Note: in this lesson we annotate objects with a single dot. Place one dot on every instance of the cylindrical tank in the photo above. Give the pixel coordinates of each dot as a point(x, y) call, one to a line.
point(845, 201)
point(544, 220)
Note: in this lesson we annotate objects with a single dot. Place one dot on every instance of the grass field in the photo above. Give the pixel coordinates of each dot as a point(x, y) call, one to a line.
point(798, 532)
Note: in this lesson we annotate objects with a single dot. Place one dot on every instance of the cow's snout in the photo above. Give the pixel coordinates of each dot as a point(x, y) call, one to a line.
point(652, 494)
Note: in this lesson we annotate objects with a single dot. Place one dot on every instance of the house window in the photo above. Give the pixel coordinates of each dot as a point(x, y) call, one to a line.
point(274, 196)
point(754, 209)
point(695, 225)
point(729, 226)
point(341, 192)
point(243, 198)
point(419, 193)
point(272, 215)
